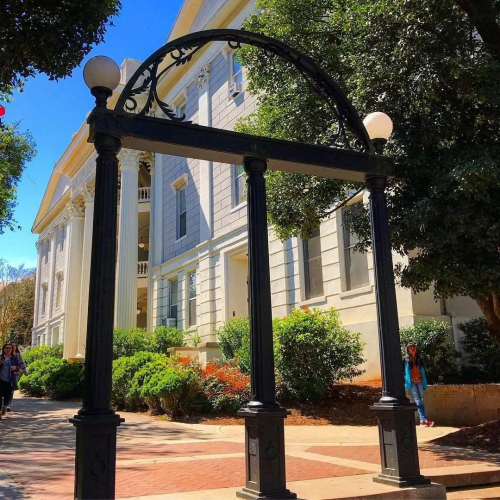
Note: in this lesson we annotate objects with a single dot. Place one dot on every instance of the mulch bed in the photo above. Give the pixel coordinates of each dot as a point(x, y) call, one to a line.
point(484, 437)
point(347, 404)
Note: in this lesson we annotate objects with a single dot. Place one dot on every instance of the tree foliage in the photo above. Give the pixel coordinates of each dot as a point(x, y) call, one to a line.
point(425, 65)
point(16, 149)
point(17, 302)
point(42, 36)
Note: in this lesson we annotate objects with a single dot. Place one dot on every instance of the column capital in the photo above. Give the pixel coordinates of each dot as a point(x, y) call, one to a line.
point(75, 209)
point(51, 233)
point(88, 193)
point(38, 244)
point(149, 159)
point(129, 159)
point(203, 77)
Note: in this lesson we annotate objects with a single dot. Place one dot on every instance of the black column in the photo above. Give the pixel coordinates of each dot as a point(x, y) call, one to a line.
point(395, 413)
point(96, 421)
point(264, 418)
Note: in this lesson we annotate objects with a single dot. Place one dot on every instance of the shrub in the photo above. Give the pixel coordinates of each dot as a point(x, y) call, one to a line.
point(164, 338)
point(65, 382)
point(435, 347)
point(35, 384)
point(173, 388)
point(313, 350)
point(124, 370)
point(42, 351)
point(131, 341)
point(482, 354)
point(234, 342)
point(135, 397)
point(225, 386)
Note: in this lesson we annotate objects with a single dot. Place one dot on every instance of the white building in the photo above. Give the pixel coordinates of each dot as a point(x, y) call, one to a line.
point(182, 243)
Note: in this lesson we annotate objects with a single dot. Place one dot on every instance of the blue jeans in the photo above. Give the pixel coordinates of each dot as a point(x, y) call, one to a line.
point(417, 391)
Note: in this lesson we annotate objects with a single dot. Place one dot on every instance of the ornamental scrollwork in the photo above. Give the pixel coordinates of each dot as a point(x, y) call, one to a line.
point(140, 95)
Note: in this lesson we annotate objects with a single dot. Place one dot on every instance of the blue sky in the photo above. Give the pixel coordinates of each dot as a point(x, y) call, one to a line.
point(53, 111)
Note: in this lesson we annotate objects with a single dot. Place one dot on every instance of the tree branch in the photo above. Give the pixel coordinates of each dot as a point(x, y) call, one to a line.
point(487, 306)
point(483, 16)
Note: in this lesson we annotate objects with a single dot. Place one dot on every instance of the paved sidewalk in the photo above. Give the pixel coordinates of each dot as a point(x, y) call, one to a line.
point(164, 460)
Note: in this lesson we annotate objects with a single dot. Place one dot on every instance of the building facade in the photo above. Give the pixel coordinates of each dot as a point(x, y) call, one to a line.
point(182, 243)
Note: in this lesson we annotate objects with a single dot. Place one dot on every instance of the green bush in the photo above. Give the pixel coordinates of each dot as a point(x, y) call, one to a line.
point(135, 398)
point(66, 382)
point(124, 370)
point(234, 342)
point(128, 342)
point(313, 350)
point(42, 351)
point(174, 389)
point(35, 384)
point(482, 354)
point(435, 347)
point(164, 338)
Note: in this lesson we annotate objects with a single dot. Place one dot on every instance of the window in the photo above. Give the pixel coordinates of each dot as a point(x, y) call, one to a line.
point(181, 213)
point(355, 263)
point(45, 252)
point(55, 335)
point(173, 299)
point(236, 70)
point(44, 298)
point(240, 186)
point(192, 299)
point(62, 237)
point(182, 109)
point(58, 290)
point(313, 269)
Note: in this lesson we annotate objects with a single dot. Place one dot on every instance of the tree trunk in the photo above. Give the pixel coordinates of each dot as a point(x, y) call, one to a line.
point(490, 307)
point(483, 16)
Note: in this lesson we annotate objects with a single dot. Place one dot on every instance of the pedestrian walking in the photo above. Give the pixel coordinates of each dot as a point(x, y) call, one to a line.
point(415, 380)
point(18, 362)
point(6, 377)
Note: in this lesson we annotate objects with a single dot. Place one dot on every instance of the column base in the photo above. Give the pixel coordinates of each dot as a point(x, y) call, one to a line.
point(265, 454)
point(399, 483)
point(253, 495)
point(95, 460)
point(398, 445)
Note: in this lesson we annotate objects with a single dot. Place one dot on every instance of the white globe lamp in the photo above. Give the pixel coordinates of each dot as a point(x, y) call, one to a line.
point(379, 127)
point(102, 76)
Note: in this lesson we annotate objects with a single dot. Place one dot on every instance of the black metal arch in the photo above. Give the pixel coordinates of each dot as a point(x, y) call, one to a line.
point(182, 50)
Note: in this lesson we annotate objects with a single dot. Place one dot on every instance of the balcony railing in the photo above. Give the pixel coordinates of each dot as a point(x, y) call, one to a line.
point(144, 194)
point(142, 269)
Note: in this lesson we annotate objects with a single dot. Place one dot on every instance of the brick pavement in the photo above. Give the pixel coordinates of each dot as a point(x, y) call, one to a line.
point(429, 456)
point(134, 479)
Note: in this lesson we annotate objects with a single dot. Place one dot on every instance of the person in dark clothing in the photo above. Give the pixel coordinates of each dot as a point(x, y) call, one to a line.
point(18, 362)
point(416, 381)
point(7, 376)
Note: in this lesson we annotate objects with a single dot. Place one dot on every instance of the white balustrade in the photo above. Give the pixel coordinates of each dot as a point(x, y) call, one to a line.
point(142, 269)
point(144, 194)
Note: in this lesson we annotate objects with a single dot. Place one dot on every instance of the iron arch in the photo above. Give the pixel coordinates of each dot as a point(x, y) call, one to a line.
point(182, 50)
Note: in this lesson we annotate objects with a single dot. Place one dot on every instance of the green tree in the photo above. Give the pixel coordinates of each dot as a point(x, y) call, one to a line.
point(17, 302)
point(16, 150)
point(41, 36)
point(427, 66)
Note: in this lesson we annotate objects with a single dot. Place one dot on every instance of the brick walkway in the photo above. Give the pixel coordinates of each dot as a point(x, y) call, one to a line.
point(163, 458)
point(429, 456)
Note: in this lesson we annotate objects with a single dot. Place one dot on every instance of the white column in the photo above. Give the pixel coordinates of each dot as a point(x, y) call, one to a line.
point(158, 208)
point(52, 235)
point(73, 277)
point(87, 251)
point(204, 118)
point(152, 235)
point(126, 290)
point(38, 284)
